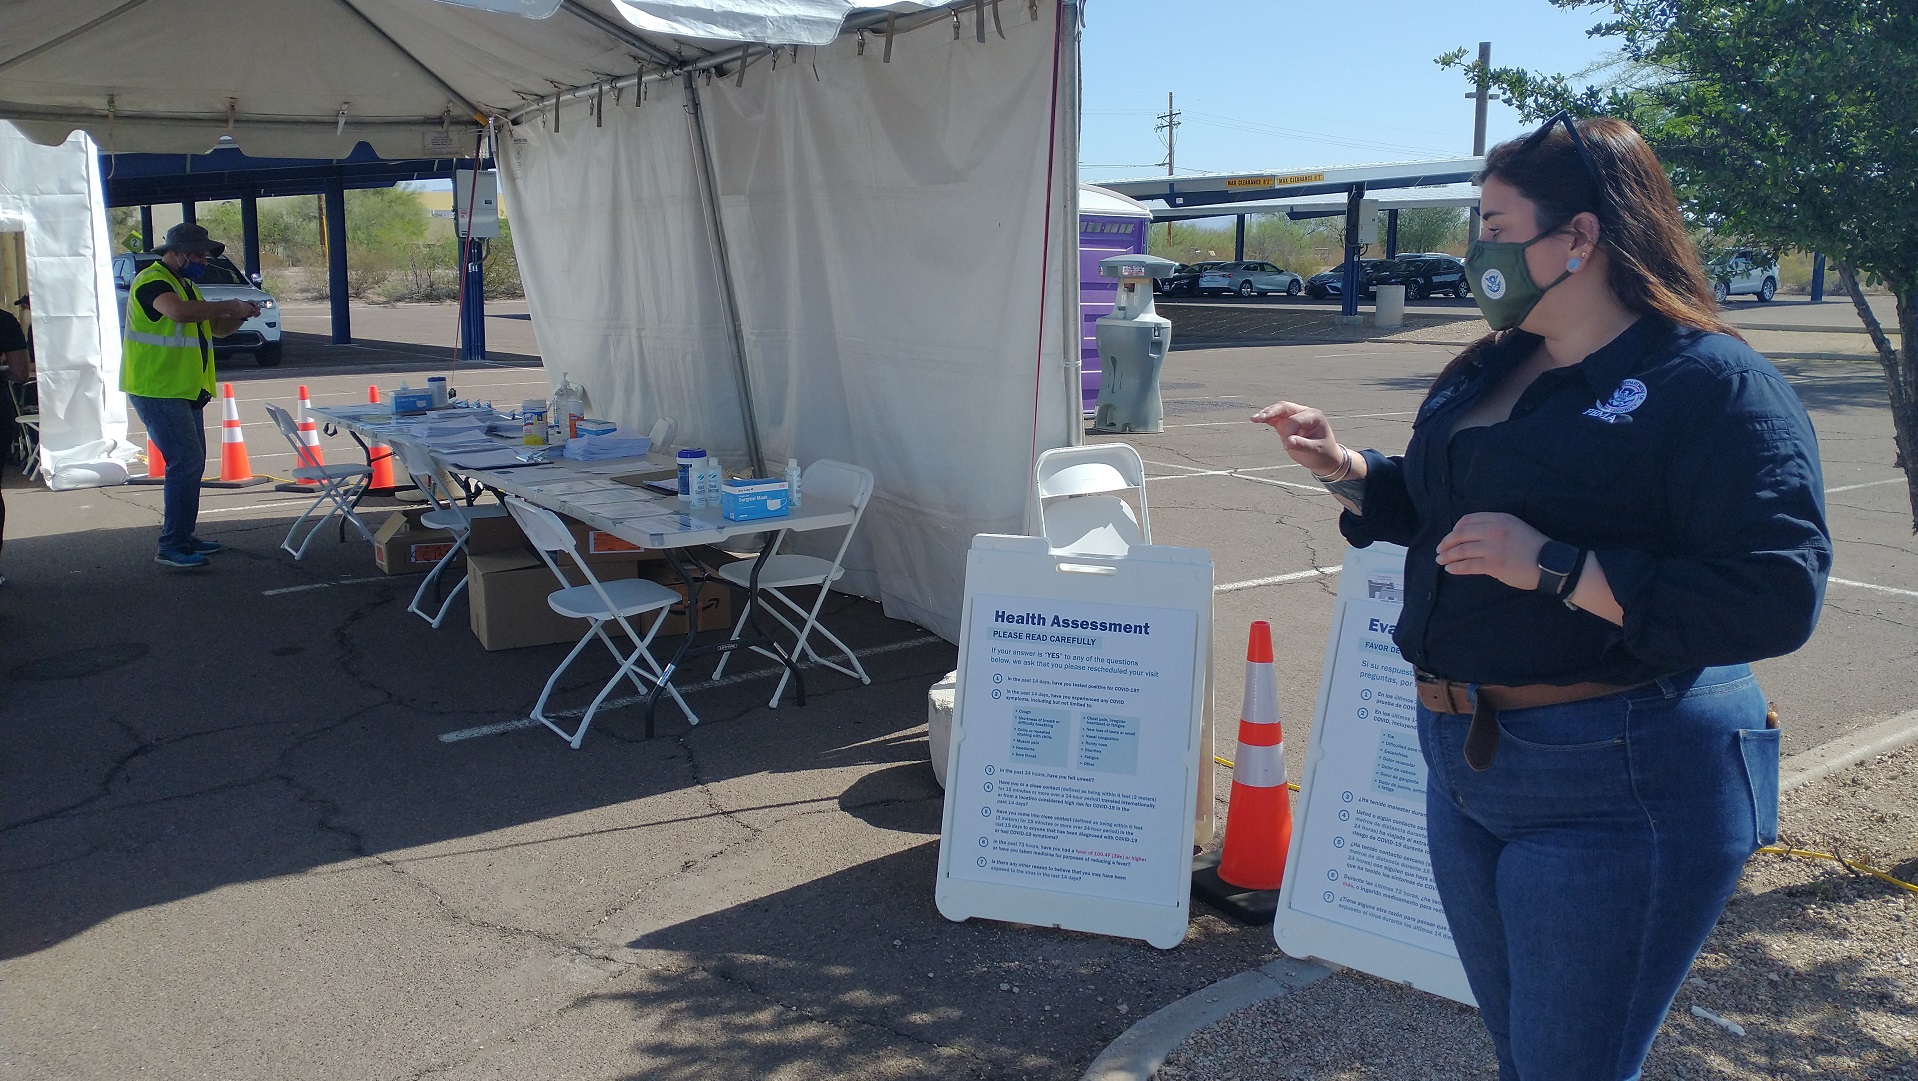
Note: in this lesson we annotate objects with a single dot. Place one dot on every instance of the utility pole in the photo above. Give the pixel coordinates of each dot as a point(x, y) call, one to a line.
point(1169, 123)
point(1484, 95)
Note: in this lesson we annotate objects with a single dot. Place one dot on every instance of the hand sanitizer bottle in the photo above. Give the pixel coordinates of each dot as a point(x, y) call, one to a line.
point(792, 482)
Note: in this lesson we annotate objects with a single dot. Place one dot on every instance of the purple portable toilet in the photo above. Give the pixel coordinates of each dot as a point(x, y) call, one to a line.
point(1109, 224)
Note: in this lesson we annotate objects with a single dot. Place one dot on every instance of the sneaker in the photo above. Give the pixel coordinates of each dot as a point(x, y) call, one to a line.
point(180, 558)
point(203, 547)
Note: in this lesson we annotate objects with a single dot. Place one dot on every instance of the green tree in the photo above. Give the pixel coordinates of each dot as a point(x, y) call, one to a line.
point(1436, 228)
point(1793, 123)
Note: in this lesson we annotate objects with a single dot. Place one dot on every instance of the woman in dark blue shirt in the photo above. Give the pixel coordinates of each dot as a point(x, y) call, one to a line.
point(1611, 505)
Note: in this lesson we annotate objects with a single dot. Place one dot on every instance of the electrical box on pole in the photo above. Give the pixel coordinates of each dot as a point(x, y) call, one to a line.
point(1368, 221)
point(476, 203)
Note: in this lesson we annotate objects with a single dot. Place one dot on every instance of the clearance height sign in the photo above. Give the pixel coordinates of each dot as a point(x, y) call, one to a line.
point(1065, 718)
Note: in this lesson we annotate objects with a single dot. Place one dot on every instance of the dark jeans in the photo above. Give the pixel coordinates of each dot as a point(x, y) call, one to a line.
point(1582, 871)
point(178, 428)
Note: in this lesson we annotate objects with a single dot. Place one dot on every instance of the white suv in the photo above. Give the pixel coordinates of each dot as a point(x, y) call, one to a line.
point(259, 335)
point(1743, 270)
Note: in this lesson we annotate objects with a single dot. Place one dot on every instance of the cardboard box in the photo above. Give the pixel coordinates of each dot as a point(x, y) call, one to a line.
point(500, 534)
point(403, 546)
point(715, 604)
point(507, 594)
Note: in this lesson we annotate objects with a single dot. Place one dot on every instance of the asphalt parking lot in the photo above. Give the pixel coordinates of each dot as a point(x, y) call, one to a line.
point(239, 841)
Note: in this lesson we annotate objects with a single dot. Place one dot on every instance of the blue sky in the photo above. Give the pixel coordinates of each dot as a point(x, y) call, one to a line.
point(1266, 85)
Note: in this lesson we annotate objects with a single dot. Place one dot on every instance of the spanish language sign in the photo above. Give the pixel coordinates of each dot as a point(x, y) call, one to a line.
point(1077, 716)
point(1358, 886)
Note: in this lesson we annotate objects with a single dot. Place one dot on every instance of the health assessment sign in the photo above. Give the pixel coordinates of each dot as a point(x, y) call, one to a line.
point(1077, 717)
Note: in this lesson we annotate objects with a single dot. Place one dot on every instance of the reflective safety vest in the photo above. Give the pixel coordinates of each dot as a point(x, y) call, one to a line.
point(165, 359)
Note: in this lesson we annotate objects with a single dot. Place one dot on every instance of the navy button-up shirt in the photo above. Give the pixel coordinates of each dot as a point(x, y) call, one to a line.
point(1681, 457)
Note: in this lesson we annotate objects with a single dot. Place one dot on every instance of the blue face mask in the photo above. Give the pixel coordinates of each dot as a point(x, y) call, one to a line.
point(192, 271)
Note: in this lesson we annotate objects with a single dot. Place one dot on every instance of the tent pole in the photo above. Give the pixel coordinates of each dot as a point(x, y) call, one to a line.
point(710, 182)
point(1067, 103)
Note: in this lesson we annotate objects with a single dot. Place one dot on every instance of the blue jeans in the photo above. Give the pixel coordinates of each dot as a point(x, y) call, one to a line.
point(1582, 872)
point(177, 426)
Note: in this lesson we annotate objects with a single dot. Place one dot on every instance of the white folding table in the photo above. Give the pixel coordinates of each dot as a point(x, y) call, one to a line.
point(586, 491)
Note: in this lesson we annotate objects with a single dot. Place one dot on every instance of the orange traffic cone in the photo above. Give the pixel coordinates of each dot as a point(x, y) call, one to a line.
point(156, 462)
point(234, 465)
point(1258, 821)
point(379, 455)
point(309, 435)
point(235, 470)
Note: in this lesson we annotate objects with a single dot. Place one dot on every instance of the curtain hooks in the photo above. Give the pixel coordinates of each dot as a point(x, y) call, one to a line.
point(861, 38)
point(955, 23)
point(890, 19)
point(339, 122)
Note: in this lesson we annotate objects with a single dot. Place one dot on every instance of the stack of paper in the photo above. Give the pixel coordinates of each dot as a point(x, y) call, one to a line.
point(593, 448)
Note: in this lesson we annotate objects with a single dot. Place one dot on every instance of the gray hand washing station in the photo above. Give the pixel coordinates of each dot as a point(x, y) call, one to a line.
point(1132, 345)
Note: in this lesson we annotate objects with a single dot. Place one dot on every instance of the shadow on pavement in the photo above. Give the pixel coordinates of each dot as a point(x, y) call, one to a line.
point(170, 733)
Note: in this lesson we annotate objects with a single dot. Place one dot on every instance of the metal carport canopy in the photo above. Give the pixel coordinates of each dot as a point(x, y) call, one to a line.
point(1316, 206)
point(1211, 189)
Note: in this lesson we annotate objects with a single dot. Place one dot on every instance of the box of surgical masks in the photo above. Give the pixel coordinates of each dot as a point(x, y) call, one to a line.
point(752, 499)
point(407, 401)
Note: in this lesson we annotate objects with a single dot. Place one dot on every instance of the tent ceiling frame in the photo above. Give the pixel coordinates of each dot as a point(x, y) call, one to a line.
point(674, 67)
point(471, 109)
point(71, 34)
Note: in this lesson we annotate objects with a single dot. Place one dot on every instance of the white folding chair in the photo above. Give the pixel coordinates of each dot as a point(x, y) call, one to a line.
point(1077, 492)
point(600, 603)
point(662, 433)
point(339, 485)
point(829, 481)
point(447, 512)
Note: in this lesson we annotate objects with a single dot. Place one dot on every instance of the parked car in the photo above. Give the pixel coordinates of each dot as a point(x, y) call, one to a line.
point(1249, 278)
point(1332, 282)
point(259, 335)
point(1743, 270)
point(1428, 275)
point(1185, 280)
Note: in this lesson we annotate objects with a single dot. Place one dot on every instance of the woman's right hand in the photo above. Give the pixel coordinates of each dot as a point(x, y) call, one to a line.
point(1306, 435)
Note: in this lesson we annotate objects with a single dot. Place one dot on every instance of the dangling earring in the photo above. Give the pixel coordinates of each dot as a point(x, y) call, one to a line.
point(1573, 264)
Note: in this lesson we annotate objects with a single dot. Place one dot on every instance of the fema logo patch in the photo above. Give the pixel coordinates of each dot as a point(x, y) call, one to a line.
point(1492, 284)
point(1629, 396)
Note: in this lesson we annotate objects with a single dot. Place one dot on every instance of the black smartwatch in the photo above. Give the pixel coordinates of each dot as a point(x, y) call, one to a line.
point(1558, 567)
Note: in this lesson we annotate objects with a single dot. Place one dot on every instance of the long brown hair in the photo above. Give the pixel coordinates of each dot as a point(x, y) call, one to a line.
point(1654, 266)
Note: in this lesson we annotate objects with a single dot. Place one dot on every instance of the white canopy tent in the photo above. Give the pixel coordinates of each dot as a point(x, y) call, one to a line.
point(52, 194)
point(798, 227)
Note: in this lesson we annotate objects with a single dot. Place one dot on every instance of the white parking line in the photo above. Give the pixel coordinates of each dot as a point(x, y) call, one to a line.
point(325, 585)
point(614, 703)
point(1867, 484)
point(1278, 579)
point(1871, 586)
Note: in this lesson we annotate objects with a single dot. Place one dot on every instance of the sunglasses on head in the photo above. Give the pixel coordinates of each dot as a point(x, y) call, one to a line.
point(1578, 143)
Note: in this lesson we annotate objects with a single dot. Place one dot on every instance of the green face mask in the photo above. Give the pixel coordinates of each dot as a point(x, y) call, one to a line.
point(1501, 283)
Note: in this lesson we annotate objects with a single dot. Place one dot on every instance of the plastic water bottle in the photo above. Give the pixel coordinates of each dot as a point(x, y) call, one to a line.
point(716, 480)
point(792, 482)
point(569, 405)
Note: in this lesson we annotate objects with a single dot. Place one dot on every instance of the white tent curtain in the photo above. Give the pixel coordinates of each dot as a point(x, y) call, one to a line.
point(900, 257)
point(53, 194)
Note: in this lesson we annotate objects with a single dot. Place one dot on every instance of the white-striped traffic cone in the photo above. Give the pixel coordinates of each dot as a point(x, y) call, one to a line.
point(309, 435)
point(234, 465)
point(1258, 821)
point(235, 470)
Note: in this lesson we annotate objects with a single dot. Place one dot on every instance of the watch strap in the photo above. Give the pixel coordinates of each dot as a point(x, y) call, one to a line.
point(1557, 562)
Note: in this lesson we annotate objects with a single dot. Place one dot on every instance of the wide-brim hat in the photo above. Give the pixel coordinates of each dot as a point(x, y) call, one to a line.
point(190, 238)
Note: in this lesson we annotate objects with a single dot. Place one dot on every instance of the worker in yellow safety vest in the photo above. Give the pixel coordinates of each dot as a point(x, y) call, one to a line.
point(167, 372)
